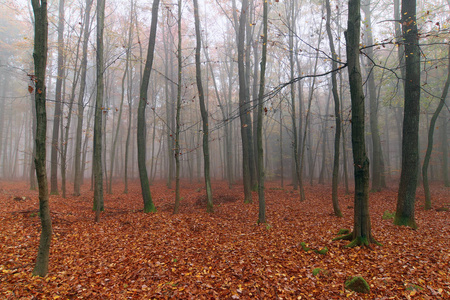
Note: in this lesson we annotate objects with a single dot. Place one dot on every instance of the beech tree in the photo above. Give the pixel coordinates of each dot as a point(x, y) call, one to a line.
point(145, 185)
point(97, 156)
point(204, 113)
point(405, 213)
point(40, 64)
point(362, 232)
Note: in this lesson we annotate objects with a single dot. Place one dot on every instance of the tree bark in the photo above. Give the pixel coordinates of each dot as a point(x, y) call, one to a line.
point(244, 111)
point(80, 112)
point(427, 157)
point(177, 117)
point(361, 234)
point(337, 116)
point(377, 156)
point(141, 140)
point(204, 113)
point(58, 99)
point(259, 137)
point(40, 63)
point(97, 158)
point(405, 213)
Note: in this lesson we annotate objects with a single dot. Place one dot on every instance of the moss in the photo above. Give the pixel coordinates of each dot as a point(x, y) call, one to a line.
point(357, 284)
point(322, 251)
point(316, 271)
point(343, 231)
point(347, 237)
point(413, 287)
point(387, 215)
point(443, 208)
point(405, 221)
point(306, 249)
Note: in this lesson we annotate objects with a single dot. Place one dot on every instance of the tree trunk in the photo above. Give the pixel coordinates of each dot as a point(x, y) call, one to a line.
point(410, 142)
point(97, 159)
point(177, 118)
point(204, 113)
point(40, 63)
point(141, 140)
point(426, 160)
point(337, 115)
point(361, 234)
point(58, 99)
point(259, 137)
point(244, 105)
point(377, 156)
point(80, 112)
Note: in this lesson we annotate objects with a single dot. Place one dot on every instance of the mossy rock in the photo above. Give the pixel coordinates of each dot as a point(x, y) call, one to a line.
point(343, 231)
point(357, 284)
point(387, 215)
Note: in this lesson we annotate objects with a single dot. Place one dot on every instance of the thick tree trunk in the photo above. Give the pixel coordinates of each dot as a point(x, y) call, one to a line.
point(141, 140)
point(427, 158)
point(405, 213)
point(40, 63)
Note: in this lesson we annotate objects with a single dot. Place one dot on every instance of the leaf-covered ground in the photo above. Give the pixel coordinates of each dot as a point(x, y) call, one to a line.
point(225, 255)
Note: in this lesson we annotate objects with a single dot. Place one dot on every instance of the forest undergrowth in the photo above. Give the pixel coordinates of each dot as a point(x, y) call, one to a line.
point(223, 255)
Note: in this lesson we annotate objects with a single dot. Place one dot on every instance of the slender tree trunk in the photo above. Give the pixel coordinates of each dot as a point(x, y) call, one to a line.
point(244, 105)
point(97, 158)
point(122, 97)
point(427, 158)
point(377, 156)
point(361, 234)
point(337, 116)
point(141, 141)
point(405, 213)
point(204, 113)
point(58, 99)
point(80, 112)
point(259, 137)
point(40, 63)
point(177, 117)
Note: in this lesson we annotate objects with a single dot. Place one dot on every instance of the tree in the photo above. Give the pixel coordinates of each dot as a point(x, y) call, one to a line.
point(259, 138)
point(244, 105)
point(405, 212)
point(97, 159)
point(362, 234)
point(58, 96)
point(377, 155)
point(40, 64)
point(427, 157)
point(141, 140)
point(337, 116)
point(177, 117)
point(204, 113)
point(80, 111)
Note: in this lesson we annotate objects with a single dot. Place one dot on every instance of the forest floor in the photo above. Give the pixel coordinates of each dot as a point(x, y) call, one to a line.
point(224, 255)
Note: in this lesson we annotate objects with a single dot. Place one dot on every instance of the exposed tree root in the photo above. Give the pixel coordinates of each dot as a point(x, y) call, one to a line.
point(358, 241)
